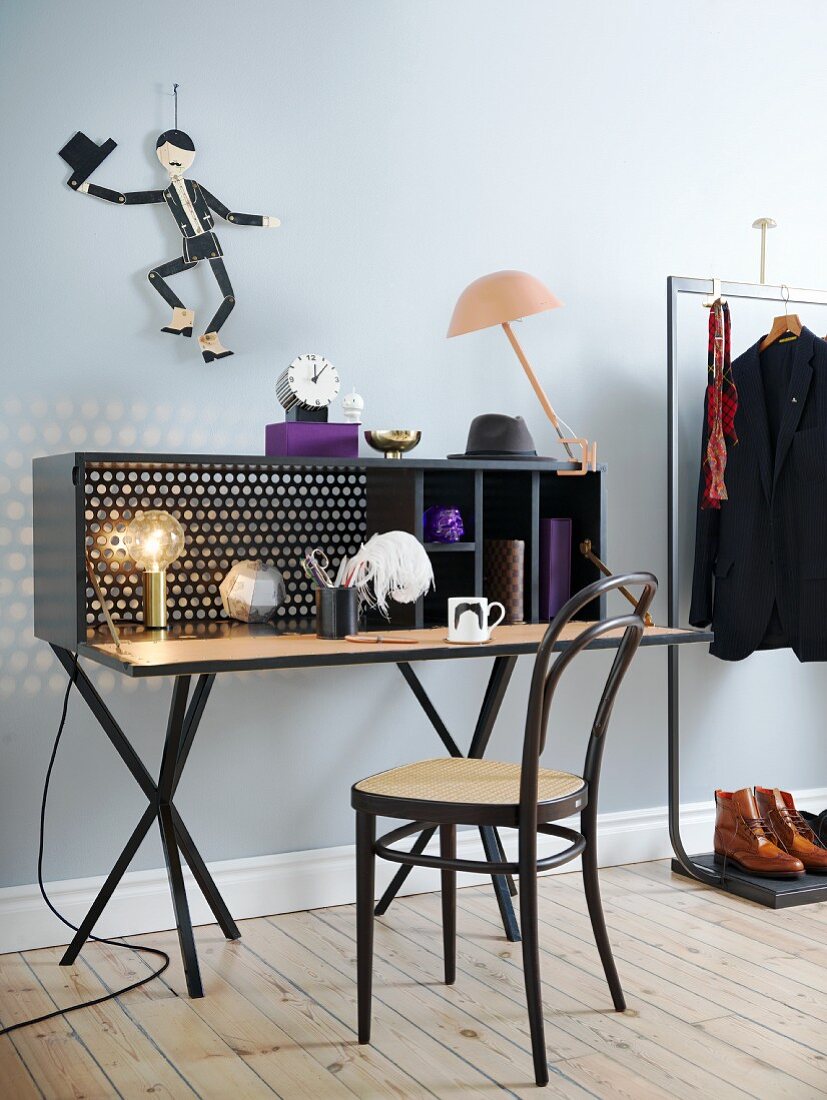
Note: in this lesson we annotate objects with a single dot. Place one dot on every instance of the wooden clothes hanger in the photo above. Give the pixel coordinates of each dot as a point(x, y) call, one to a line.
point(789, 324)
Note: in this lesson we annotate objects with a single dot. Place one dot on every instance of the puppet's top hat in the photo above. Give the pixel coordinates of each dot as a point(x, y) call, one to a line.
point(83, 156)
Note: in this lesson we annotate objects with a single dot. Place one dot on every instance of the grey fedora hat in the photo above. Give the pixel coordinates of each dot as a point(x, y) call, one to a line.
point(495, 435)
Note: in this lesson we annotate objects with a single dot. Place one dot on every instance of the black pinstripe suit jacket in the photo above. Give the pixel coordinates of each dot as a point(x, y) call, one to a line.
point(767, 545)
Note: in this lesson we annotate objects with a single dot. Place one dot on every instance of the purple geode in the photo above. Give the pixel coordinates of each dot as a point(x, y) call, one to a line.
point(442, 524)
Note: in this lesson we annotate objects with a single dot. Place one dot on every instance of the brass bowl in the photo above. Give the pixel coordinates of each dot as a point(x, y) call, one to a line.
point(393, 442)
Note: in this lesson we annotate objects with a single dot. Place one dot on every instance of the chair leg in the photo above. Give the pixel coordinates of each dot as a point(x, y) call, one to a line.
point(591, 884)
point(365, 888)
point(531, 951)
point(448, 850)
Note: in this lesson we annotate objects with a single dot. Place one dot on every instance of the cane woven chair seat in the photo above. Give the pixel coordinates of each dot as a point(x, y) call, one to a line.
point(459, 781)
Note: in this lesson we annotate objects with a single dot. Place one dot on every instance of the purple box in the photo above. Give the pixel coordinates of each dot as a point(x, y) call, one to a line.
point(555, 565)
point(312, 439)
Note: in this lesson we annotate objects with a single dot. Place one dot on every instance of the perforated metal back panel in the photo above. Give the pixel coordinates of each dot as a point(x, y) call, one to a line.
point(229, 512)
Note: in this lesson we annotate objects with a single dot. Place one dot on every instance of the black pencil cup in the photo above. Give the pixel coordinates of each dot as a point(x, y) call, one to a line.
point(337, 612)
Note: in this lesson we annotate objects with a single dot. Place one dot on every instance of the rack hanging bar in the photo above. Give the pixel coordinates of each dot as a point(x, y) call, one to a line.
point(767, 292)
point(675, 286)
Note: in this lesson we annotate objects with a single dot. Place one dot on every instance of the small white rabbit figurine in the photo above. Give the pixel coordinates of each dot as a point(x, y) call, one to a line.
point(352, 407)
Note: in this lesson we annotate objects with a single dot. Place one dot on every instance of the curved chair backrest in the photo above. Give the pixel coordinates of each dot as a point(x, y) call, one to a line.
point(547, 675)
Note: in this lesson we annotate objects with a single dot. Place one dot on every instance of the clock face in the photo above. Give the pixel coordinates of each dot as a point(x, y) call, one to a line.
point(311, 381)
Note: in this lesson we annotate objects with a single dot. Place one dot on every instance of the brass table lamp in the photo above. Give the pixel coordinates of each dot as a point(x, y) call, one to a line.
point(154, 540)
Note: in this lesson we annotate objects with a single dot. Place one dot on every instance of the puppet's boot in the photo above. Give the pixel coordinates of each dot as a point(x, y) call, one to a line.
point(211, 347)
point(181, 323)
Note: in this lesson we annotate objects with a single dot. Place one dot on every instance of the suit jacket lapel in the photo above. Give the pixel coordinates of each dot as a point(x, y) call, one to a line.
point(796, 396)
point(746, 373)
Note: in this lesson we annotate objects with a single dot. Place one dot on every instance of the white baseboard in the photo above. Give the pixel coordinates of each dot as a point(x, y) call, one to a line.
point(261, 885)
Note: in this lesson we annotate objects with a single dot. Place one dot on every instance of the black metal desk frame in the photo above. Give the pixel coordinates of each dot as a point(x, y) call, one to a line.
point(778, 894)
point(185, 715)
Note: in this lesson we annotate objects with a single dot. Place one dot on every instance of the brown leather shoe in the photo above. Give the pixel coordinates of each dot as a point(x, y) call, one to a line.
point(740, 838)
point(790, 830)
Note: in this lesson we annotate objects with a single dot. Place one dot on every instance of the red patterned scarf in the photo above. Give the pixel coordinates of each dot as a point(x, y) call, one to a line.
point(722, 405)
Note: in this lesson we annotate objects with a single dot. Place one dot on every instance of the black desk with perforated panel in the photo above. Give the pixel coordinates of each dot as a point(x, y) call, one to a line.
point(252, 507)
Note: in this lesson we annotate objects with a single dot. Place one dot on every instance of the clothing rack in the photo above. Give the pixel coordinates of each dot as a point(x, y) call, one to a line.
point(776, 893)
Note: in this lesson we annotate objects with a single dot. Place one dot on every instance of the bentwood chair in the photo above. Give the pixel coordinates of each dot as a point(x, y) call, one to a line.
point(458, 791)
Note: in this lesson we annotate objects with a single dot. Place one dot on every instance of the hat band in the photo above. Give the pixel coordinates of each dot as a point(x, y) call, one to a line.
point(500, 451)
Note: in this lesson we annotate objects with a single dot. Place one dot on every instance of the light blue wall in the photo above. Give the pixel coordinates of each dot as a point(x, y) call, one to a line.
point(408, 148)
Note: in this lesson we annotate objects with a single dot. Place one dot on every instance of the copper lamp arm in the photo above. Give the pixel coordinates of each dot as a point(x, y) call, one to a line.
point(535, 385)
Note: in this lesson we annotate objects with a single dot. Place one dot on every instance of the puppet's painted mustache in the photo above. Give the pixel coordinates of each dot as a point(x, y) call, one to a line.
point(175, 164)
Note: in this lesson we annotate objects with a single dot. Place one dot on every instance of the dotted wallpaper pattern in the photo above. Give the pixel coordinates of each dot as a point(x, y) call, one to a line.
point(60, 424)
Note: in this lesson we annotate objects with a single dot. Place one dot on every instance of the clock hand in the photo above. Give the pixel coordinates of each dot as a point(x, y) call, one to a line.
point(321, 372)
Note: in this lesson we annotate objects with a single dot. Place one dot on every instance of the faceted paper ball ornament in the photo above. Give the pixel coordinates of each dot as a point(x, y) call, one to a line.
point(252, 591)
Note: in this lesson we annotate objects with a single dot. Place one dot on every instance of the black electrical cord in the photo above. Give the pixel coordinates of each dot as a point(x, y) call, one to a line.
point(97, 939)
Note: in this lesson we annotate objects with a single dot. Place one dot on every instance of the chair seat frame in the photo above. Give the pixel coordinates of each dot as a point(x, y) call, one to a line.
point(381, 848)
point(499, 814)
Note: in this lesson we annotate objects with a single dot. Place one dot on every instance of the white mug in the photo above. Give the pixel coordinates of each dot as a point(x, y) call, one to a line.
point(469, 619)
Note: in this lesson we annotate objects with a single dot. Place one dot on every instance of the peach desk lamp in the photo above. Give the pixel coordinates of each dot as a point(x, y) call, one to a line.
point(499, 299)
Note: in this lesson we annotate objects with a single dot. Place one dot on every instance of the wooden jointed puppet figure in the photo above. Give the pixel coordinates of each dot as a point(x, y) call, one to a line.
point(190, 204)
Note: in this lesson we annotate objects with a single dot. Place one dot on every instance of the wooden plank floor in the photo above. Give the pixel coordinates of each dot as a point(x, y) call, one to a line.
point(726, 999)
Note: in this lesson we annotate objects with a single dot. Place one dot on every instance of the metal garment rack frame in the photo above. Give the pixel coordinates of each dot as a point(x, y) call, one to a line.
point(776, 893)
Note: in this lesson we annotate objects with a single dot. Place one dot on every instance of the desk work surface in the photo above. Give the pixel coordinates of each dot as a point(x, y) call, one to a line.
point(237, 647)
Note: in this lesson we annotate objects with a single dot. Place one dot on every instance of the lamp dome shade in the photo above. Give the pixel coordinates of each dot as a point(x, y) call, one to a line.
point(499, 297)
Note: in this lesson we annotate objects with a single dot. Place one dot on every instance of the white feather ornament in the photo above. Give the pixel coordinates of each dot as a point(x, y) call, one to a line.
point(389, 566)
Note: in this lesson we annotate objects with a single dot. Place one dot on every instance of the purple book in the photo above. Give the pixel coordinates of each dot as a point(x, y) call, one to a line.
point(314, 440)
point(555, 565)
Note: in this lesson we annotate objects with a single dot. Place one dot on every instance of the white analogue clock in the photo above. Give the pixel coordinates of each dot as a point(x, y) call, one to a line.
point(310, 381)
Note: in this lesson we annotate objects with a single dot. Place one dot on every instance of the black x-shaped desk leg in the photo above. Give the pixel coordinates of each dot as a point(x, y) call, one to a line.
point(181, 729)
point(504, 887)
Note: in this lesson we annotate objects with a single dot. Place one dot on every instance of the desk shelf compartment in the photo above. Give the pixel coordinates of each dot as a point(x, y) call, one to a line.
point(453, 488)
point(497, 502)
point(511, 511)
point(583, 501)
point(274, 509)
point(397, 497)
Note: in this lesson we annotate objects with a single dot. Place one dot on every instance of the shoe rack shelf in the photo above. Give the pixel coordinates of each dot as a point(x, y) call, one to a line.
point(774, 893)
point(497, 501)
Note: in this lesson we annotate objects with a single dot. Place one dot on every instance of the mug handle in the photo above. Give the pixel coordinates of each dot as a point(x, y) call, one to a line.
point(491, 606)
